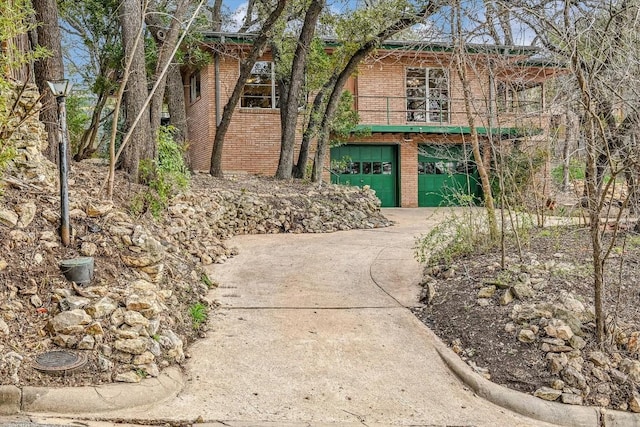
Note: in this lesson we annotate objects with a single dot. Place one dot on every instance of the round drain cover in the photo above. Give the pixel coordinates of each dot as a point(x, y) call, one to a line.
point(59, 361)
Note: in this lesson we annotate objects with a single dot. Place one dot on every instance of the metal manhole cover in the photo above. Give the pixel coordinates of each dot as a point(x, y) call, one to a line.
point(59, 361)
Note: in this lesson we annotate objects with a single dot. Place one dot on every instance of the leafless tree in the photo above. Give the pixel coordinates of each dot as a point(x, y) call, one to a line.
point(598, 41)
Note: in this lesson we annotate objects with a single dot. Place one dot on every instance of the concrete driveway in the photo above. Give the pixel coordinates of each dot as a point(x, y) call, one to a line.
point(315, 330)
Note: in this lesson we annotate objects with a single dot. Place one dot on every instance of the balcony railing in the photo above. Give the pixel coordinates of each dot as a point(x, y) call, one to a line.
point(449, 112)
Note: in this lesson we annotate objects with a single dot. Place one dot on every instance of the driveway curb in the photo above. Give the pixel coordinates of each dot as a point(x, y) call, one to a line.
point(528, 405)
point(79, 400)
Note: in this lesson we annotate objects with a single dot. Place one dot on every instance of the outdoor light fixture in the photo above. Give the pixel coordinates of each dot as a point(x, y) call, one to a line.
point(60, 89)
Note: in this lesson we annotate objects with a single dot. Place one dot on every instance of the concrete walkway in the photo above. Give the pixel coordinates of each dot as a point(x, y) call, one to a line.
point(315, 330)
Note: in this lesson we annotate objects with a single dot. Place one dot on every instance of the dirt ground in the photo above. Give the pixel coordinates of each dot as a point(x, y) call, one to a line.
point(484, 334)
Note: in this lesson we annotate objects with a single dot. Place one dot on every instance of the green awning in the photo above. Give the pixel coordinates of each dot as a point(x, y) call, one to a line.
point(511, 132)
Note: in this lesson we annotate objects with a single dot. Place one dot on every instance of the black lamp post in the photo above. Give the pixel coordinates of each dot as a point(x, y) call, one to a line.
point(60, 89)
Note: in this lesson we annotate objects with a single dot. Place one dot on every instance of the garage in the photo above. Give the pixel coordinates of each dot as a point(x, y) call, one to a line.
point(372, 165)
point(447, 176)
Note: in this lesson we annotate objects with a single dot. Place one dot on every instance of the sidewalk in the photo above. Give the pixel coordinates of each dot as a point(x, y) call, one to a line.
point(315, 330)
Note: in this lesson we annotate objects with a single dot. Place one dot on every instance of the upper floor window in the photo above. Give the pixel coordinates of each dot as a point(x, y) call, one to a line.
point(515, 97)
point(427, 95)
point(195, 87)
point(261, 90)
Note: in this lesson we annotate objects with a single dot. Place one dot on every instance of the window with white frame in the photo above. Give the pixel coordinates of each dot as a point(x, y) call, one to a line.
point(261, 90)
point(427, 95)
point(194, 87)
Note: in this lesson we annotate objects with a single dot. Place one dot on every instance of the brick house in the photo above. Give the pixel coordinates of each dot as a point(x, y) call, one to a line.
point(410, 102)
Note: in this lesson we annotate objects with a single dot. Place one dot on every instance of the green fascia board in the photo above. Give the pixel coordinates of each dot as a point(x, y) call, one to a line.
point(430, 46)
point(513, 132)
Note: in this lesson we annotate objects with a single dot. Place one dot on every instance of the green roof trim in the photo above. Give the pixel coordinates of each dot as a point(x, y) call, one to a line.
point(512, 132)
point(401, 45)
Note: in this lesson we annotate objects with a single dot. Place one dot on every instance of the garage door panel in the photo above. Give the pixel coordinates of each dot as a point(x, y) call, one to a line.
point(372, 165)
point(442, 177)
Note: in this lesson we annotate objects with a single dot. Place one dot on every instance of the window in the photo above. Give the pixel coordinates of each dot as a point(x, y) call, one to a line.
point(261, 90)
point(519, 97)
point(194, 87)
point(427, 95)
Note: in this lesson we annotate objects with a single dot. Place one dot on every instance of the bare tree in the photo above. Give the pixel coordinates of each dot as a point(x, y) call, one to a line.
point(166, 37)
point(599, 44)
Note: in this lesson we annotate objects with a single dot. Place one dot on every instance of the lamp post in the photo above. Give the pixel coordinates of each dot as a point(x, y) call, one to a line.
point(60, 89)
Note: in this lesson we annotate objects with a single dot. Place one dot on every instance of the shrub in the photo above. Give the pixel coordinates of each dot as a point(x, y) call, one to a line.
point(164, 177)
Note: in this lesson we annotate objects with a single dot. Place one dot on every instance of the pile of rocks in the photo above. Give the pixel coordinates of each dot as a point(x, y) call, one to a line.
point(200, 219)
point(133, 319)
point(595, 376)
point(128, 318)
point(561, 325)
point(27, 136)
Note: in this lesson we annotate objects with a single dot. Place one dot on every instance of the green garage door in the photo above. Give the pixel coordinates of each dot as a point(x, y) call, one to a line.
point(372, 165)
point(447, 176)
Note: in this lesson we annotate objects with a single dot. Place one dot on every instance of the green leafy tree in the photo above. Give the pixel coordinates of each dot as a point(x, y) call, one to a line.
point(93, 34)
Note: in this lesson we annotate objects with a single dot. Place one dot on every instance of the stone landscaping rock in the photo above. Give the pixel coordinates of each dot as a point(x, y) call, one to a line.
point(598, 358)
point(577, 342)
point(69, 322)
point(573, 378)
point(506, 297)
point(128, 377)
point(571, 399)
point(634, 402)
point(526, 336)
point(631, 368)
point(102, 308)
point(8, 217)
point(132, 346)
point(547, 393)
point(487, 292)
point(522, 291)
point(26, 211)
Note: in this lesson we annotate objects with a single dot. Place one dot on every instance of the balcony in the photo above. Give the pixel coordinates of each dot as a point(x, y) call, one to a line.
point(511, 117)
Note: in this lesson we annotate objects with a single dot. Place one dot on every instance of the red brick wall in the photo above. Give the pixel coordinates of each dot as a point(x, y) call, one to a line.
point(201, 121)
point(252, 143)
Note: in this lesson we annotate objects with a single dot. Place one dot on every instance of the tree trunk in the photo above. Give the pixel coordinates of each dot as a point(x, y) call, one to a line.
point(136, 89)
point(245, 72)
point(569, 141)
point(167, 42)
point(50, 68)
point(289, 105)
point(311, 130)
point(461, 68)
point(216, 15)
point(88, 144)
point(176, 104)
point(248, 17)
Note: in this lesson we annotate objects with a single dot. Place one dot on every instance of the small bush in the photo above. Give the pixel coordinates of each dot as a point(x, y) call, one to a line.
point(517, 169)
point(198, 313)
point(458, 235)
point(165, 177)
